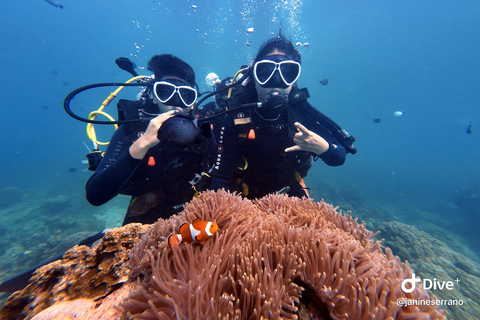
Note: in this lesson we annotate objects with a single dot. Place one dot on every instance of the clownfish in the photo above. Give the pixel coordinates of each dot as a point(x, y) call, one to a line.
point(198, 231)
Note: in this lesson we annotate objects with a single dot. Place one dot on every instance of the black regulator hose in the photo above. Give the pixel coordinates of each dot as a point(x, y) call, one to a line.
point(69, 97)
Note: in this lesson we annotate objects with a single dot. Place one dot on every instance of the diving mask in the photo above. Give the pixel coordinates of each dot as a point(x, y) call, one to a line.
point(165, 92)
point(264, 70)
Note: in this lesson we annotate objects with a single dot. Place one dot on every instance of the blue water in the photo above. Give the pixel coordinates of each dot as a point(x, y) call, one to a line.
point(419, 57)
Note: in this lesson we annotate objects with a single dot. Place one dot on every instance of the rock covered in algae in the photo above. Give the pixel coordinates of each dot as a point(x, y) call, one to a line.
point(432, 258)
point(84, 275)
point(276, 257)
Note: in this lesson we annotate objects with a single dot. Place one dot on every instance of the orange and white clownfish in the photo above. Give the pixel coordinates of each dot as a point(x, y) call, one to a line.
point(198, 231)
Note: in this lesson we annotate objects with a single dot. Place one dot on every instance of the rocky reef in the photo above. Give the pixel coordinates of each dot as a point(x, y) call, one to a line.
point(432, 258)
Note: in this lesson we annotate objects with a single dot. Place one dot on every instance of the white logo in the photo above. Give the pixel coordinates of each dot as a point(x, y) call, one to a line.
point(427, 284)
point(412, 282)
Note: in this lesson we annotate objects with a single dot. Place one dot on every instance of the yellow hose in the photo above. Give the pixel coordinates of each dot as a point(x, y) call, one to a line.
point(93, 115)
point(233, 80)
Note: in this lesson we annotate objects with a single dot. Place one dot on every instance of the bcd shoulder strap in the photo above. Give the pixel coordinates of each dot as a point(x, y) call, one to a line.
point(343, 137)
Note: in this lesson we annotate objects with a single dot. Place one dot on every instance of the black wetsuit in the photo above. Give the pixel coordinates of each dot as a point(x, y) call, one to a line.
point(155, 189)
point(260, 163)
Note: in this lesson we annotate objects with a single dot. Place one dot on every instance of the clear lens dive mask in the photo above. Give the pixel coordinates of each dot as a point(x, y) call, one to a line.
point(289, 71)
point(165, 92)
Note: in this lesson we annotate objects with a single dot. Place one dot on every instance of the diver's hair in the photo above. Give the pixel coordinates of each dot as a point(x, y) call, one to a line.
point(164, 65)
point(282, 44)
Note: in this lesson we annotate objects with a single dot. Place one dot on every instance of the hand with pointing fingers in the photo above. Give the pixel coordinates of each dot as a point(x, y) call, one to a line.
point(306, 140)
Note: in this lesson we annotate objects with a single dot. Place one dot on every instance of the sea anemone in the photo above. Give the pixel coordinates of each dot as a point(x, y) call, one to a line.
point(278, 258)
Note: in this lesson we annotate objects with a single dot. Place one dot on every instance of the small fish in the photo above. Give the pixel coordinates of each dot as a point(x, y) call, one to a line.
point(72, 170)
point(194, 6)
point(44, 107)
point(377, 120)
point(198, 231)
point(141, 204)
point(54, 73)
point(324, 82)
point(306, 44)
point(127, 65)
point(250, 30)
point(55, 3)
point(469, 129)
point(299, 44)
point(398, 113)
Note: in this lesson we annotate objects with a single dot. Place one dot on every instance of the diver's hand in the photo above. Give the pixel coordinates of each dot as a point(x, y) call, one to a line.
point(306, 140)
point(149, 139)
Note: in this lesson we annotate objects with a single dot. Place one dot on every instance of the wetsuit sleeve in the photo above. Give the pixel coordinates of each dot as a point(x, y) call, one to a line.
point(224, 165)
point(113, 171)
point(336, 153)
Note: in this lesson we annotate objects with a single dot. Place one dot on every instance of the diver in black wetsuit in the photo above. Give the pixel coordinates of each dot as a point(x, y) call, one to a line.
point(156, 174)
point(268, 147)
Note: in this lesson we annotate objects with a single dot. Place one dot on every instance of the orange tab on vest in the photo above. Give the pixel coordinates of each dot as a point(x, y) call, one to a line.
point(151, 161)
point(251, 134)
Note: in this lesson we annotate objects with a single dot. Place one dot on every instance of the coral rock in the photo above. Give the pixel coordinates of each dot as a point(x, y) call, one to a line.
point(83, 273)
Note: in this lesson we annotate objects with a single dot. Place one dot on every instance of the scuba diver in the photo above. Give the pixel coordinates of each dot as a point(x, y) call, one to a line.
point(272, 145)
point(145, 159)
